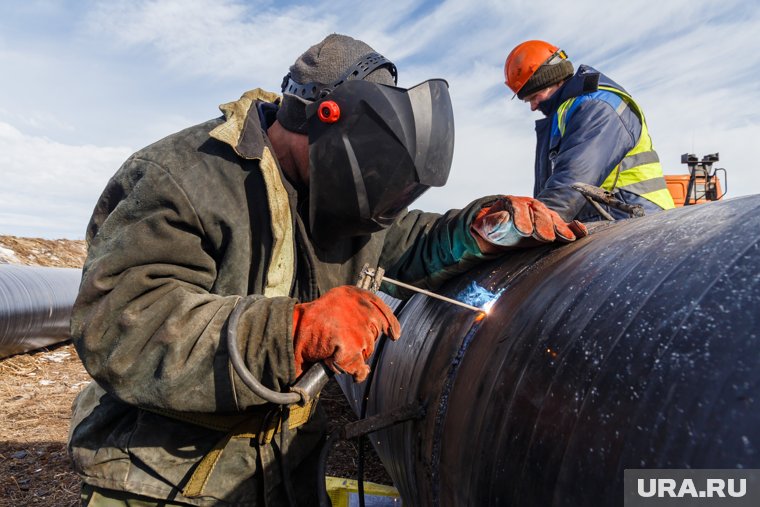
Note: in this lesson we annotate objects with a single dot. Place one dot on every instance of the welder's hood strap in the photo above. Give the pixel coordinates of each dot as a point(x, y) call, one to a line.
point(363, 67)
point(383, 148)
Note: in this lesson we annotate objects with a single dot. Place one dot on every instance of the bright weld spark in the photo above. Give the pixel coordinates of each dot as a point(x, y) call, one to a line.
point(481, 297)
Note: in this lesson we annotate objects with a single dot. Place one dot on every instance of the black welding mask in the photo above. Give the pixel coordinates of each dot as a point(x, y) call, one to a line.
point(373, 150)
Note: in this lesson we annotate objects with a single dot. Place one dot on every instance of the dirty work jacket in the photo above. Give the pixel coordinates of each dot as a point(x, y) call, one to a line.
point(185, 228)
point(596, 138)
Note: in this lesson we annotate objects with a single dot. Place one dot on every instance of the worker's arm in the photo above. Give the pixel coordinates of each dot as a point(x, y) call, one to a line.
point(145, 323)
point(595, 140)
point(426, 249)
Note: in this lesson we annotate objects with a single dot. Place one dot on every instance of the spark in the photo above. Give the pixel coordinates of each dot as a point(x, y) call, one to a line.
point(481, 297)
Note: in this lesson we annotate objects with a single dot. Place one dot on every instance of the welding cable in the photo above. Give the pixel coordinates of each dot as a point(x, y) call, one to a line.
point(363, 409)
point(335, 435)
point(324, 498)
point(285, 438)
point(245, 374)
point(365, 398)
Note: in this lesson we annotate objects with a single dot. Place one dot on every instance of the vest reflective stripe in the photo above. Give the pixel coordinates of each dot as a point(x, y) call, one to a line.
point(562, 113)
point(645, 157)
point(639, 172)
point(630, 181)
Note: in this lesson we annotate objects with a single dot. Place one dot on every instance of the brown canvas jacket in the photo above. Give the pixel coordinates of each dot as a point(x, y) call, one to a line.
point(186, 227)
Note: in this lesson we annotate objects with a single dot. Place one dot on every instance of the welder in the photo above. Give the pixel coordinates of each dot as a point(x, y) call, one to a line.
point(269, 211)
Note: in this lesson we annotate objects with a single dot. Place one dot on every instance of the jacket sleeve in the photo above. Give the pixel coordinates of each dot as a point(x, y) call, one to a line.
point(426, 249)
point(594, 142)
point(146, 323)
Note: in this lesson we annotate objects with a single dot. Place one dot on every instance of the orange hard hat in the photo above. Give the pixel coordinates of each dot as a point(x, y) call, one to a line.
point(525, 59)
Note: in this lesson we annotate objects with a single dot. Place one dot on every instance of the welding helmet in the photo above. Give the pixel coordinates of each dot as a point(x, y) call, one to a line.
point(373, 150)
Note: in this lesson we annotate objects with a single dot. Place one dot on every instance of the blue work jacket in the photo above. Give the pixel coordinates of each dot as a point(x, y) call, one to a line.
point(596, 139)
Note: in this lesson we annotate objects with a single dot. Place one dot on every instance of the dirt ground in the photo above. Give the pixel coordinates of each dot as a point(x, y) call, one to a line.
point(37, 388)
point(36, 391)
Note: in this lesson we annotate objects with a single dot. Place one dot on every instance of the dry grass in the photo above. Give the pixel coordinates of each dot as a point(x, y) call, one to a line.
point(57, 253)
point(36, 391)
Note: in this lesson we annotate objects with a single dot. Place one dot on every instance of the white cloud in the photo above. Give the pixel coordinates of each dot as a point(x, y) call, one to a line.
point(49, 188)
point(212, 39)
point(130, 72)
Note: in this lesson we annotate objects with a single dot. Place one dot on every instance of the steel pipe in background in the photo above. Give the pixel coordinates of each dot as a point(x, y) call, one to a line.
point(637, 347)
point(35, 306)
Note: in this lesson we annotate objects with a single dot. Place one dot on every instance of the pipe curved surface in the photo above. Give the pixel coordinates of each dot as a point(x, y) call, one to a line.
point(636, 347)
point(35, 306)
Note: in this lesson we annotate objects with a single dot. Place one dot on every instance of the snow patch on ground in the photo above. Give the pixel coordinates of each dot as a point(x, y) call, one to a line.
point(8, 256)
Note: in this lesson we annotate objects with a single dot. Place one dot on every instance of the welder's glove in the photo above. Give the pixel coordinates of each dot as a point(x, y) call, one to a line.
point(515, 222)
point(340, 328)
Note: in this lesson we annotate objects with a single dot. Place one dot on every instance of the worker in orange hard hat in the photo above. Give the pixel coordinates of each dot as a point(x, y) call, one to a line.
point(593, 132)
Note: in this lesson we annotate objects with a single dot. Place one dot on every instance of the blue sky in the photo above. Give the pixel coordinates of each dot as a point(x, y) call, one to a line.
point(86, 83)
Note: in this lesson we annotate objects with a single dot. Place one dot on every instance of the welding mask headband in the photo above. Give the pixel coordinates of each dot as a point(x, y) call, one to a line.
point(363, 67)
point(382, 150)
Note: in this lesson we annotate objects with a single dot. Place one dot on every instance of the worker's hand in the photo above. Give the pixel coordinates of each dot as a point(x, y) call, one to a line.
point(340, 328)
point(514, 222)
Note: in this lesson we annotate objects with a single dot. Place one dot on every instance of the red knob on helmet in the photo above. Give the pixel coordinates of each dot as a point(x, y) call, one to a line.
point(329, 111)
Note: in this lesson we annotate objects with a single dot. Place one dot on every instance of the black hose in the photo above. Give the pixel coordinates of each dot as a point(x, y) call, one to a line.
point(324, 498)
point(363, 411)
point(245, 374)
point(362, 415)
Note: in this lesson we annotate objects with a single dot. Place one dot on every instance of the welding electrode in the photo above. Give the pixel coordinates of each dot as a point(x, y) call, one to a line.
point(433, 295)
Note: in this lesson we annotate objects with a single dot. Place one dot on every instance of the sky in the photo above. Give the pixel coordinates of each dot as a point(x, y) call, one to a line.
point(84, 84)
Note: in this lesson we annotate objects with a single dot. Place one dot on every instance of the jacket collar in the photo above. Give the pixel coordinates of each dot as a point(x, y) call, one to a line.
point(242, 128)
point(585, 80)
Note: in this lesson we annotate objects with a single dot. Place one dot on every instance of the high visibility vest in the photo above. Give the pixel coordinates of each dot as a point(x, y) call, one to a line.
point(639, 172)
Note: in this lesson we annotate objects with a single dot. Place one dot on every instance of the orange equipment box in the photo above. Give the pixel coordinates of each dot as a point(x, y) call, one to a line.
point(678, 186)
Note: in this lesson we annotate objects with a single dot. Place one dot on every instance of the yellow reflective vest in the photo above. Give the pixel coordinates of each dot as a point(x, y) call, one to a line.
point(639, 172)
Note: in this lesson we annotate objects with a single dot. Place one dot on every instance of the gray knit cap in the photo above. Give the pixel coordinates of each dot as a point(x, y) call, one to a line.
point(545, 76)
point(324, 63)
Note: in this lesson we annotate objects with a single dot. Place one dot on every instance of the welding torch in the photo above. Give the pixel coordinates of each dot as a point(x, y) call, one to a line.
point(316, 377)
point(371, 272)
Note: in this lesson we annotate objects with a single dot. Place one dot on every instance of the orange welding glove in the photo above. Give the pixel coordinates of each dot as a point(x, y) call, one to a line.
point(340, 328)
point(514, 222)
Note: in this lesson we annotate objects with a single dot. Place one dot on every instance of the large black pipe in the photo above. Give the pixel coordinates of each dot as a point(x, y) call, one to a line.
point(35, 306)
point(636, 347)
